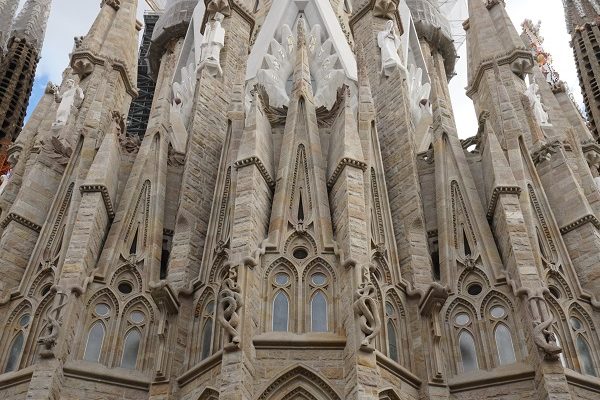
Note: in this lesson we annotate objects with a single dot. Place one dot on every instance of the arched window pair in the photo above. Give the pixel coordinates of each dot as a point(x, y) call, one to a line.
point(318, 305)
point(318, 288)
point(133, 322)
point(470, 359)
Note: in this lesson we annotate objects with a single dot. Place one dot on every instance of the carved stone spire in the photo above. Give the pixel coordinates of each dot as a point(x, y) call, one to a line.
point(111, 37)
point(30, 24)
point(8, 8)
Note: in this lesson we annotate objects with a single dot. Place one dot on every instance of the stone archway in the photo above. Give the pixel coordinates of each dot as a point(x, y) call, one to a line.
point(299, 383)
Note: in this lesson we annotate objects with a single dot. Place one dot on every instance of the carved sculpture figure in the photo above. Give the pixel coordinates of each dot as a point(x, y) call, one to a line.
point(420, 105)
point(181, 107)
point(72, 97)
point(365, 308)
point(389, 43)
point(214, 40)
point(537, 107)
point(230, 301)
point(54, 316)
point(4, 179)
point(543, 337)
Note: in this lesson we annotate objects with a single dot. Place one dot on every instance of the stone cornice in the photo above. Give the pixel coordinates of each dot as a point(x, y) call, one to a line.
point(360, 10)
point(20, 220)
point(105, 197)
point(129, 86)
point(81, 370)
point(83, 61)
point(398, 370)
point(344, 162)
point(512, 190)
point(14, 378)
point(518, 372)
point(580, 222)
point(199, 369)
point(259, 165)
point(488, 64)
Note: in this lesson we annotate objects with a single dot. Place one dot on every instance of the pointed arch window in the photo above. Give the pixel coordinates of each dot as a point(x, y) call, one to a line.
point(392, 333)
point(468, 352)
point(584, 354)
point(207, 330)
point(504, 345)
point(20, 328)
point(500, 319)
point(281, 309)
point(281, 284)
point(14, 354)
point(318, 312)
point(99, 324)
point(95, 339)
point(131, 348)
point(319, 283)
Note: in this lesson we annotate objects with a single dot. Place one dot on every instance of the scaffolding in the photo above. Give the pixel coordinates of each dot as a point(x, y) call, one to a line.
point(139, 112)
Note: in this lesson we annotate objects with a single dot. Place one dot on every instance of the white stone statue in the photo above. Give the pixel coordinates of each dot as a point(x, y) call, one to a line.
point(214, 40)
point(389, 43)
point(537, 107)
point(181, 107)
point(4, 179)
point(71, 98)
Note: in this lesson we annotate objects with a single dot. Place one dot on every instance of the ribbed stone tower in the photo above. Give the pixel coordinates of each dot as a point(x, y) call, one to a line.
point(300, 220)
point(18, 62)
point(583, 24)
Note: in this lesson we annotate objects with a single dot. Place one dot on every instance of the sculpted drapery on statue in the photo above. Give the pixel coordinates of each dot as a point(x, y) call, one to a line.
point(71, 97)
point(537, 107)
point(214, 40)
point(389, 43)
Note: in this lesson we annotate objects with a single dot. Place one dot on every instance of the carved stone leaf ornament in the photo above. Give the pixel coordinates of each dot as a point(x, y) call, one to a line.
point(323, 60)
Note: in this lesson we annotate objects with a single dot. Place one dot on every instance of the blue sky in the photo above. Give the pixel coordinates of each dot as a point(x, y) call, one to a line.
point(70, 18)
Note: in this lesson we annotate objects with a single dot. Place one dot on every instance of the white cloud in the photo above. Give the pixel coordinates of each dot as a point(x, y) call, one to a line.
point(556, 43)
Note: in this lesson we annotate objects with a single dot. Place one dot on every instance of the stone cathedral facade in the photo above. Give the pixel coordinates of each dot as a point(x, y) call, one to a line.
point(300, 219)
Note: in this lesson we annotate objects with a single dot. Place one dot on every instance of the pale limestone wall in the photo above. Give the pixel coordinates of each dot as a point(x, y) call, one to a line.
point(238, 225)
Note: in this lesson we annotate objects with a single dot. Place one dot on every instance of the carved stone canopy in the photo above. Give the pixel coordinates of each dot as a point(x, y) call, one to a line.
point(330, 37)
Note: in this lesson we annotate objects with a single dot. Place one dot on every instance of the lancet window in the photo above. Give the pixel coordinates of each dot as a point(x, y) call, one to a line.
point(319, 283)
point(17, 330)
point(207, 323)
point(583, 339)
point(134, 324)
point(500, 322)
point(97, 332)
point(281, 311)
point(101, 320)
